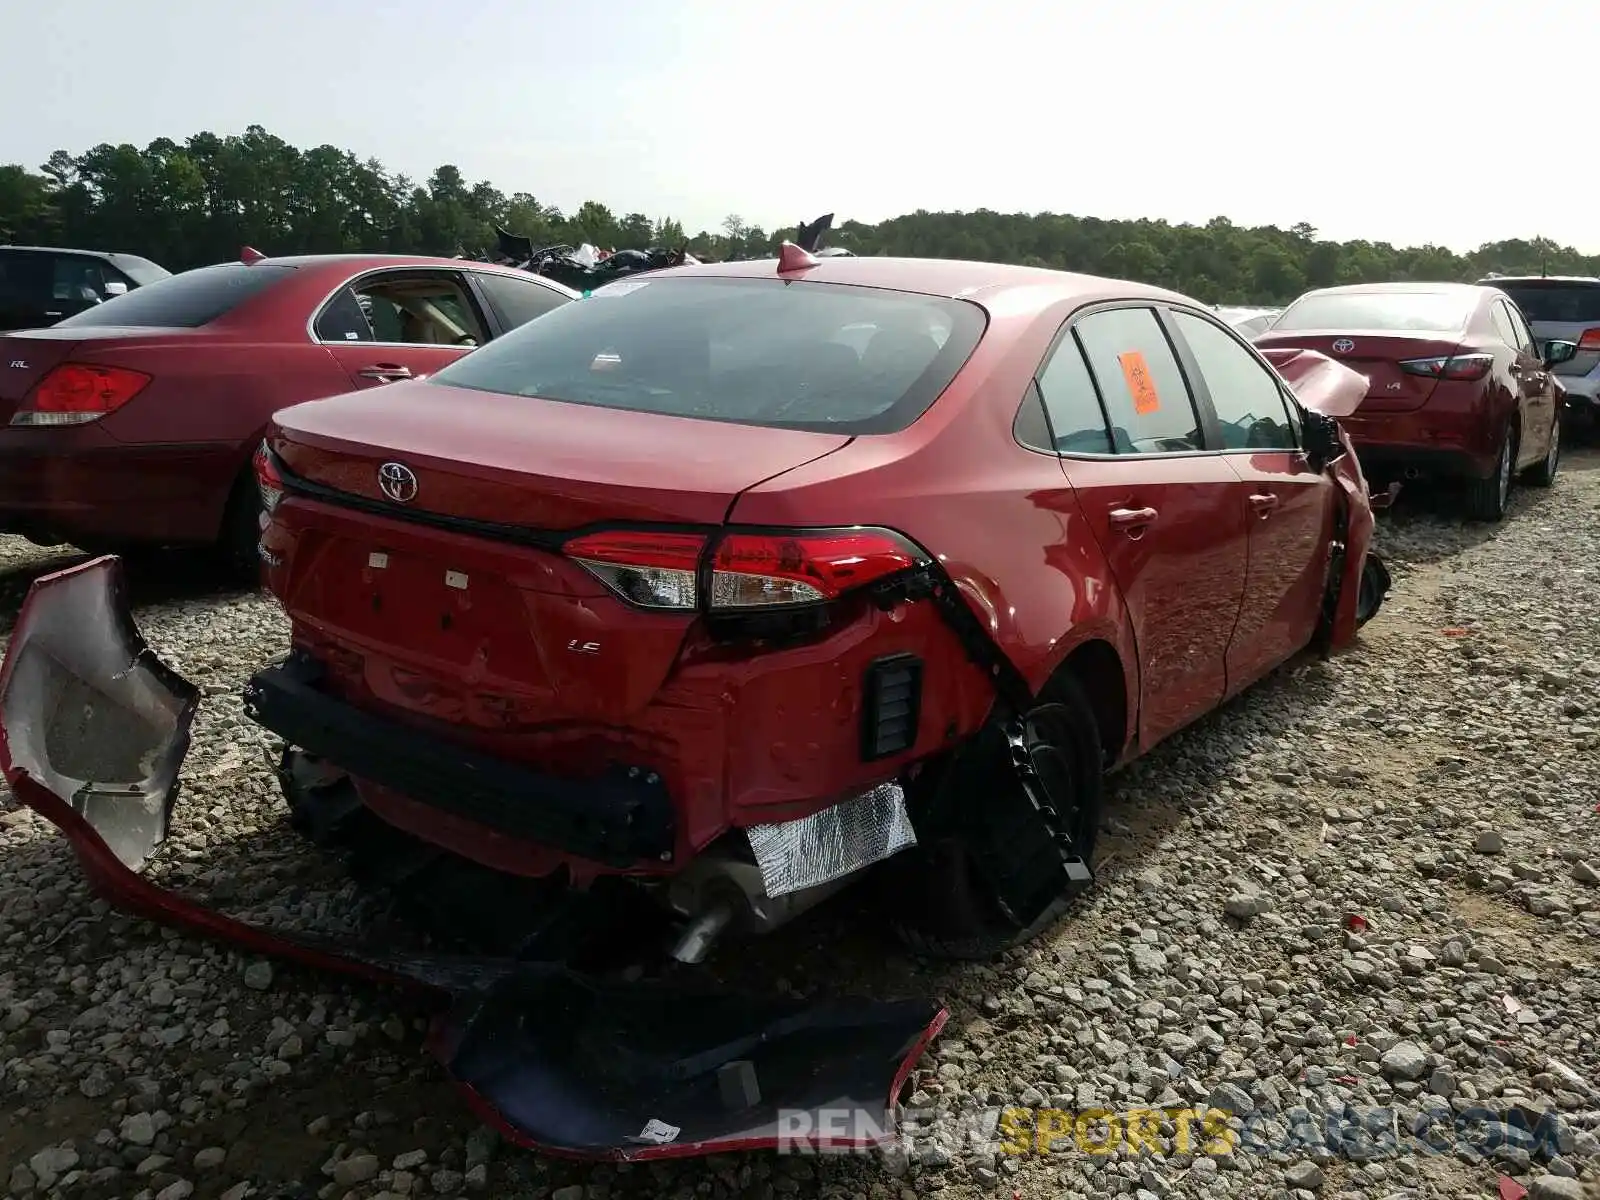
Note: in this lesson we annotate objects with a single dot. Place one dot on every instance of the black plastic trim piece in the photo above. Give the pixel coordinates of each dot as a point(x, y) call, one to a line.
point(623, 818)
point(885, 733)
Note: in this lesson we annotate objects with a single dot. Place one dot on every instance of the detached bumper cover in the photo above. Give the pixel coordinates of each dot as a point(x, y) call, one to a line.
point(93, 731)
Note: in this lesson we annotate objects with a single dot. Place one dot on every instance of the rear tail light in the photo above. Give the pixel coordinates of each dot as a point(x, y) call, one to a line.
point(269, 480)
point(1589, 341)
point(77, 393)
point(749, 570)
point(650, 570)
point(1459, 366)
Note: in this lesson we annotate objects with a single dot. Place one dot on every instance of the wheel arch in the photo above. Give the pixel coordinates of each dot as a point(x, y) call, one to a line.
point(1109, 680)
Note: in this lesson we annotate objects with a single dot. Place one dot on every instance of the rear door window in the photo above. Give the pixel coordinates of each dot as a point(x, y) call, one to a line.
point(1140, 383)
point(1245, 395)
point(1504, 328)
point(188, 300)
point(1077, 422)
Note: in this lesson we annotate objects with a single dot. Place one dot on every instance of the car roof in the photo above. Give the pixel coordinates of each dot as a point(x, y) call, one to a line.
point(358, 261)
point(956, 278)
point(1500, 279)
point(1416, 285)
point(107, 255)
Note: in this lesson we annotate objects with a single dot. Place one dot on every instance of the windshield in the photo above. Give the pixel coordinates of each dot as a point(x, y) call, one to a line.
point(790, 354)
point(1547, 300)
point(184, 301)
point(1399, 311)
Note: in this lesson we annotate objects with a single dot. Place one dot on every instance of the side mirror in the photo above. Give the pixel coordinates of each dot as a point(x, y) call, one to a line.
point(1557, 352)
point(115, 287)
point(1321, 434)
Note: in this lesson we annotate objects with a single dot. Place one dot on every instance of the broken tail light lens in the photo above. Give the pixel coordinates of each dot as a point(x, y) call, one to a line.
point(269, 480)
point(750, 570)
point(1457, 366)
point(650, 570)
point(77, 393)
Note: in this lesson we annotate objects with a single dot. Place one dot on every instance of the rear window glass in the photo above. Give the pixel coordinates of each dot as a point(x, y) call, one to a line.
point(793, 355)
point(185, 301)
point(1379, 310)
point(1578, 303)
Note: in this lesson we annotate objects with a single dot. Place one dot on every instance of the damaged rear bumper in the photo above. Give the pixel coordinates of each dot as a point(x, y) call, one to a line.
point(93, 733)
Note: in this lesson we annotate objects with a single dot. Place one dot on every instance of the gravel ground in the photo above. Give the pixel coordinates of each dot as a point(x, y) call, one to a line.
point(1369, 886)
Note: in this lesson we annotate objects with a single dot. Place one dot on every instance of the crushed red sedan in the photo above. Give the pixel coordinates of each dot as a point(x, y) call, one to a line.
point(717, 589)
point(132, 423)
point(1458, 388)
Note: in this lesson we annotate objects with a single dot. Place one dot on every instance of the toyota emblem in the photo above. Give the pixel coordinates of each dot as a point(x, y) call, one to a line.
point(397, 482)
point(1342, 346)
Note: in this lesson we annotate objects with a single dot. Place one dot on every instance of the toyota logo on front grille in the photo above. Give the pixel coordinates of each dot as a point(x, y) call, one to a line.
point(397, 482)
point(1344, 345)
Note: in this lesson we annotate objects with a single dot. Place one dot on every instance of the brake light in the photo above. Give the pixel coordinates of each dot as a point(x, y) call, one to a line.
point(1459, 366)
point(753, 570)
point(269, 480)
point(77, 393)
point(1589, 342)
point(750, 570)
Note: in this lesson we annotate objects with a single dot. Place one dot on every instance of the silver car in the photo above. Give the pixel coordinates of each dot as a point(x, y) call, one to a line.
point(1248, 322)
point(1565, 307)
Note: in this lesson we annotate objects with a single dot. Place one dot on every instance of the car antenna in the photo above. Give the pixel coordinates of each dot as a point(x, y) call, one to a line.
point(793, 258)
point(249, 256)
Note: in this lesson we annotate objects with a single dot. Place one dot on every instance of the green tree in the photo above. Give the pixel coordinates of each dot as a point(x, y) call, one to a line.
point(195, 201)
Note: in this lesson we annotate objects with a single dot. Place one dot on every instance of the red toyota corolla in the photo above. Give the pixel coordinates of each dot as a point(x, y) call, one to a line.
point(133, 423)
point(1458, 388)
point(695, 600)
point(700, 562)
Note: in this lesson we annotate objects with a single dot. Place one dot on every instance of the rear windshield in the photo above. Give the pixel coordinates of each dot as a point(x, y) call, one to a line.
point(1430, 311)
point(184, 301)
point(793, 355)
point(1577, 303)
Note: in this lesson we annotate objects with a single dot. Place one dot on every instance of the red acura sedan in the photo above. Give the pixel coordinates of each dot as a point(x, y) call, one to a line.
point(133, 423)
point(1458, 387)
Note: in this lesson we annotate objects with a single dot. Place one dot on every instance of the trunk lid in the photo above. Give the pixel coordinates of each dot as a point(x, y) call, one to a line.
point(1377, 356)
point(27, 356)
point(542, 464)
point(476, 631)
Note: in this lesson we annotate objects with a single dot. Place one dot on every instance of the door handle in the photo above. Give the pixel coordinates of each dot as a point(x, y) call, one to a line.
point(1263, 503)
point(1128, 518)
point(386, 371)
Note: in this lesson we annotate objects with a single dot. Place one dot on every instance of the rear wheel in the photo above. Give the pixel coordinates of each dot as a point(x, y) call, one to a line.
point(1488, 499)
point(1545, 473)
point(942, 895)
point(241, 531)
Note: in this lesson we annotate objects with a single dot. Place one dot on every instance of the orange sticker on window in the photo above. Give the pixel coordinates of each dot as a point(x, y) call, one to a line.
point(1141, 386)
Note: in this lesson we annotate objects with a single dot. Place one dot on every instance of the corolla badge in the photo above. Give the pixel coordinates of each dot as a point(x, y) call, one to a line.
point(1344, 345)
point(397, 482)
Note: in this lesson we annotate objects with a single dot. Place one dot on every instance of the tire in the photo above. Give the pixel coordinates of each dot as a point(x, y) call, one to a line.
point(241, 533)
point(1545, 473)
point(940, 904)
point(1488, 499)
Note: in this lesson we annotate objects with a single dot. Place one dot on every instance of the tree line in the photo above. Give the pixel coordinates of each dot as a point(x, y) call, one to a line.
point(185, 204)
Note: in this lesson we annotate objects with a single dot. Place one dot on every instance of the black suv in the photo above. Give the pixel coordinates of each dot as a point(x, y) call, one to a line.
point(40, 285)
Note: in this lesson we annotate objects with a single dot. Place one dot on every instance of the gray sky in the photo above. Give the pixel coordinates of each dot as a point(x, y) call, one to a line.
point(1397, 120)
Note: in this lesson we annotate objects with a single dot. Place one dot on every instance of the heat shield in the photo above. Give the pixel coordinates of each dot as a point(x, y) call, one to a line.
point(838, 841)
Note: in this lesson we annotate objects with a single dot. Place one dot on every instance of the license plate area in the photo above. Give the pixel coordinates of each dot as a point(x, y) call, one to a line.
point(422, 608)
